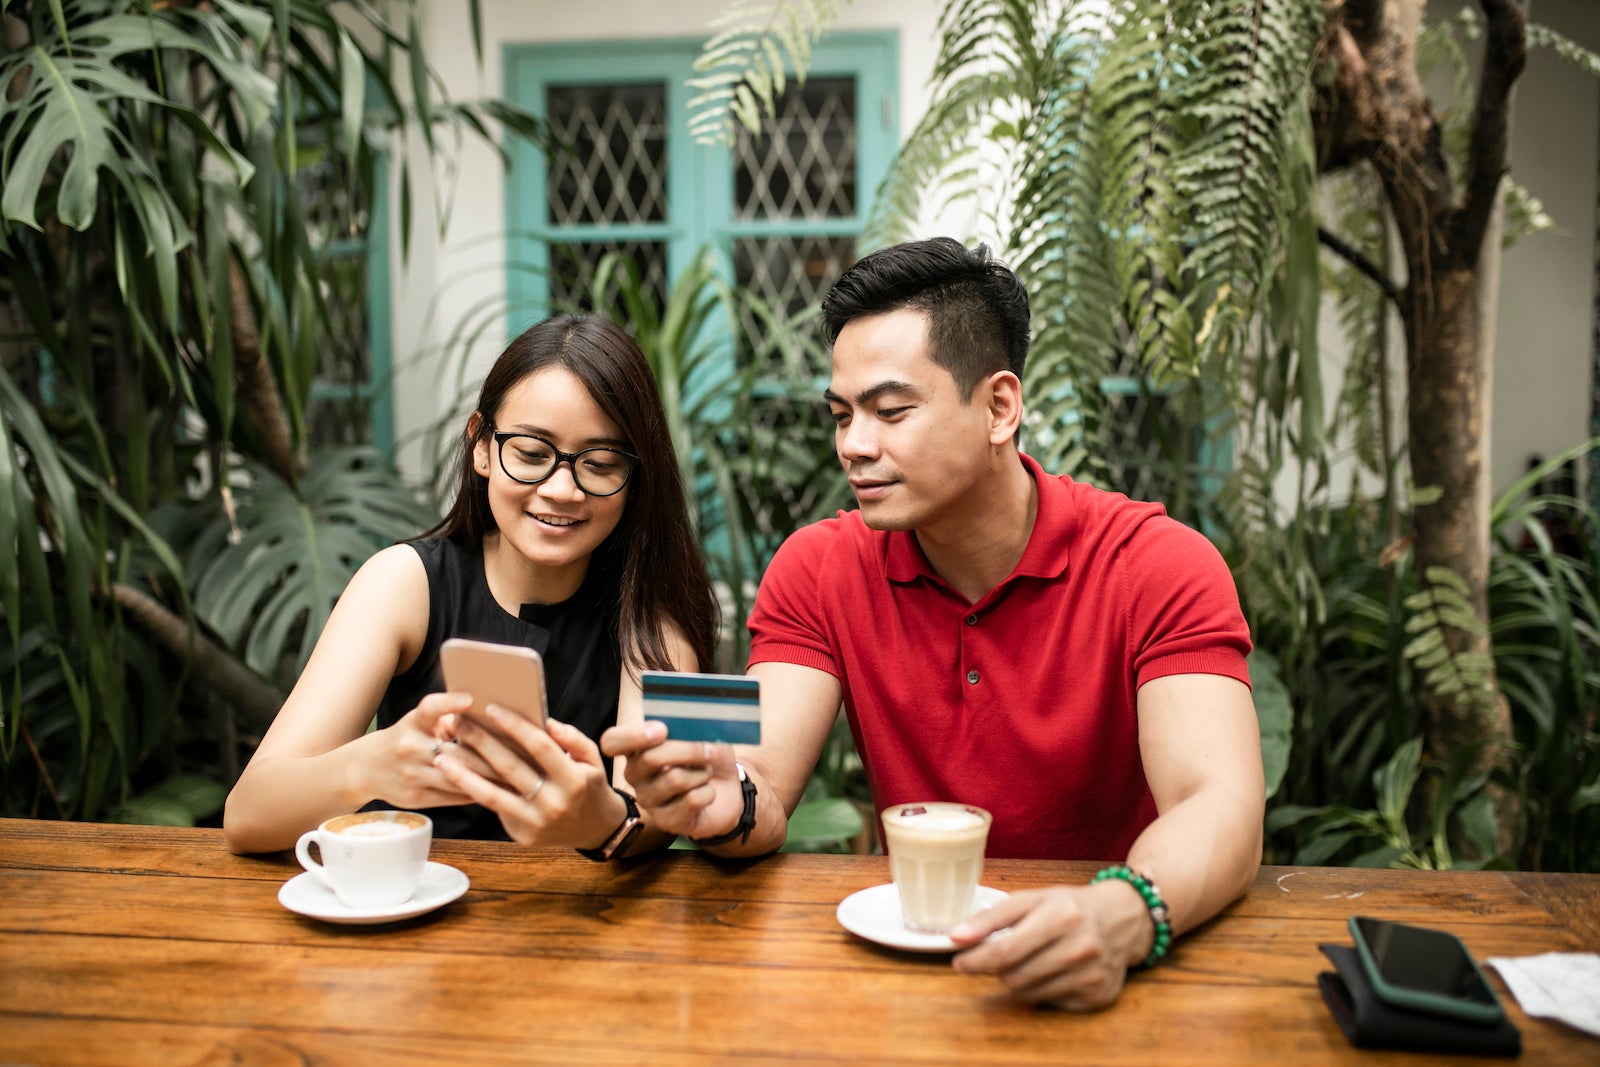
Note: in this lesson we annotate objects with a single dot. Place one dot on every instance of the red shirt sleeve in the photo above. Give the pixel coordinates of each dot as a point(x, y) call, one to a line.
point(787, 624)
point(1183, 608)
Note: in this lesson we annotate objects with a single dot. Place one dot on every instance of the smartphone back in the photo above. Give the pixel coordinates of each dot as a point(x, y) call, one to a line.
point(509, 675)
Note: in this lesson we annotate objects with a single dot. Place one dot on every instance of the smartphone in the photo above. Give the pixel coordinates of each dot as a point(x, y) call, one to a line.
point(704, 707)
point(509, 675)
point(1424, 969)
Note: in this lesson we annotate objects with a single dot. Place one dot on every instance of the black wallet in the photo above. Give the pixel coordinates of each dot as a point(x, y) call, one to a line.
point(1369, 1022)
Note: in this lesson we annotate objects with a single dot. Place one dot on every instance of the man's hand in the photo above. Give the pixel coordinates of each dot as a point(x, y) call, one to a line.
point(686, 787)
point(1069, 946)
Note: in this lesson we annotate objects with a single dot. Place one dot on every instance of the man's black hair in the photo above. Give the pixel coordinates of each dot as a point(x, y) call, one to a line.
point(977, 308)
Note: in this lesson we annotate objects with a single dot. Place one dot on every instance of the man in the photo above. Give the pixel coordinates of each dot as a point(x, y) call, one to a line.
point(1066, 658)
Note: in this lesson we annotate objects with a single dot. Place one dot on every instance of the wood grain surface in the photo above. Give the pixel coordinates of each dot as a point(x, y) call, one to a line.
point(140, 945)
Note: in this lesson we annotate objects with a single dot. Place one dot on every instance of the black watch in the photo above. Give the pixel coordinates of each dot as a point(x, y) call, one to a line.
point(625, 832)
point(747, 818)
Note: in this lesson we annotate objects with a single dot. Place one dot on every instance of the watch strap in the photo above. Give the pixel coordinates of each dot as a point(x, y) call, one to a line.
point(747, 817)
point(630, 825)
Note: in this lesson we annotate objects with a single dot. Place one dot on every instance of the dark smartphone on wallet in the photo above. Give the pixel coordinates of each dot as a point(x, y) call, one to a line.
point(1422, 969)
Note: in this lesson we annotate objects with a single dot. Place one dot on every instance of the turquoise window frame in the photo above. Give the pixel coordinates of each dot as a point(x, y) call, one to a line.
point(699, 177)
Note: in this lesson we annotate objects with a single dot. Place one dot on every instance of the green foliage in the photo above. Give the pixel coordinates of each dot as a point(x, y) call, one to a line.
point(165, 303)
point(1275, 713)
point(182, 800)
point(1138, 160)
point(266, 577)
point(1440, 603)
point(741, 71)
point(1360, 786)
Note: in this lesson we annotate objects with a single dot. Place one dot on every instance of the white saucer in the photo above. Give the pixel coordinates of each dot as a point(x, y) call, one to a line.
point(441, 883)
point(875, 915)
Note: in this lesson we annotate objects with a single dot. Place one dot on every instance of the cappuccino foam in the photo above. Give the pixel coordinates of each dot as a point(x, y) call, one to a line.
point(382, 828)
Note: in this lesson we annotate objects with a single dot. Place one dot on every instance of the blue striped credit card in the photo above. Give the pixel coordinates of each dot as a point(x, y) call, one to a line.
point(704, 707)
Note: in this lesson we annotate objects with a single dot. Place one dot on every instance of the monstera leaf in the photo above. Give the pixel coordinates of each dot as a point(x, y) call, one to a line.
point(268, 588)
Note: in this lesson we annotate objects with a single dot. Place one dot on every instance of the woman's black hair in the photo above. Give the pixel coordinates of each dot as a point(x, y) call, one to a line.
point(653, 555)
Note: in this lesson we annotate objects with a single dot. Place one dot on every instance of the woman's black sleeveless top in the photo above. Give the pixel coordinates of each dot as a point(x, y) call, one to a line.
point(577, 638)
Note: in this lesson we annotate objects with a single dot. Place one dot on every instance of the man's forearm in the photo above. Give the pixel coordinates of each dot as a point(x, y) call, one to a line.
point(1202, 853)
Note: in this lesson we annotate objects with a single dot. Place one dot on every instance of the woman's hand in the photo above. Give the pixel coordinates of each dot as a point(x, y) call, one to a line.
point(396, 764)
point(553, 792)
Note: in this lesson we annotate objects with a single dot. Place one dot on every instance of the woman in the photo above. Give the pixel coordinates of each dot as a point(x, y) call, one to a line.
point(568, 490)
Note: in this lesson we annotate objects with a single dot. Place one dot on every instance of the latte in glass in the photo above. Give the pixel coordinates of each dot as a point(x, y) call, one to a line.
point(935, 858)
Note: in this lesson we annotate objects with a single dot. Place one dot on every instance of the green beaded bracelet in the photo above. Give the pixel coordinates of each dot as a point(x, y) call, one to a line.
point(1152, 900)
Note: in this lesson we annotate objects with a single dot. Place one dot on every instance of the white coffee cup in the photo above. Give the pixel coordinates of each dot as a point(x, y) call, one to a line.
point(935, 858)
point(370, 859)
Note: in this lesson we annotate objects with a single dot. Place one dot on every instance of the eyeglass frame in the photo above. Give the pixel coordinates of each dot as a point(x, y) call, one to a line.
point(500, 438)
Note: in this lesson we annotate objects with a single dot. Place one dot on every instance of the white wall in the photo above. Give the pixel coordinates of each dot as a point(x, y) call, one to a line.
point(1542, 383)
point(1544, 340)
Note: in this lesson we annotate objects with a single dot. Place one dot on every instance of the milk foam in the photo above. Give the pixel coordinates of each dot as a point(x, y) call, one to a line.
point(376, 828)
point(940, 819)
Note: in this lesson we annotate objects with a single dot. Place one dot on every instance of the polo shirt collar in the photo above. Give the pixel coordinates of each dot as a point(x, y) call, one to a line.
point(1045, 556)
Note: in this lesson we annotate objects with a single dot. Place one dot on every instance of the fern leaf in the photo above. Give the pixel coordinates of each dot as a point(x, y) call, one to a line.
point(743, 69)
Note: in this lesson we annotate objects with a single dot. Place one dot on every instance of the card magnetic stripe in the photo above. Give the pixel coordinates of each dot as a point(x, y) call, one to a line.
point(701, 687)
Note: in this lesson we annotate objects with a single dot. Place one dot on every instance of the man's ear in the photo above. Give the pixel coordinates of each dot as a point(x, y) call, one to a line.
point(480, 449)
point(1005, 406)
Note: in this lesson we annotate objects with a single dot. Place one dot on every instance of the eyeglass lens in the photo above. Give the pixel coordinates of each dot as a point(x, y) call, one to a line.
point(598, 471)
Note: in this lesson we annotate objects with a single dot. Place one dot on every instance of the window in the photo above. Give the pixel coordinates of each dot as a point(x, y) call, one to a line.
point(351, 400)
point(784, 207)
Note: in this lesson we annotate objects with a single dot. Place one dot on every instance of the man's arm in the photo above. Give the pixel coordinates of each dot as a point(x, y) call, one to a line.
point(1201, 746)
point(1072, 945)
point(692, 788)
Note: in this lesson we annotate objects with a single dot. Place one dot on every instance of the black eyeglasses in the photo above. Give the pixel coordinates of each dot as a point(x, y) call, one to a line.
point(529, 459)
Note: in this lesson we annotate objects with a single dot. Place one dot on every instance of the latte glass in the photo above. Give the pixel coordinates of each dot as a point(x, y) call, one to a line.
point(370, 859)
point(935, 858)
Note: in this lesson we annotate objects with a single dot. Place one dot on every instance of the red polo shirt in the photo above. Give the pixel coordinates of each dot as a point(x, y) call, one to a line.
point(1022, 703)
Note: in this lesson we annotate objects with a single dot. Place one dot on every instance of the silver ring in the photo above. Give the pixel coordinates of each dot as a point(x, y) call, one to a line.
point(437, 745)
point(535, 790)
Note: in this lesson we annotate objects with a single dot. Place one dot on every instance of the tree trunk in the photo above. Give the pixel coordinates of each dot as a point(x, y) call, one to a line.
point(1375, 111)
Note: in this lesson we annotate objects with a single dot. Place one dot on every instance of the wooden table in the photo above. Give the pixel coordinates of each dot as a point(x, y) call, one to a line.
point(140, 945)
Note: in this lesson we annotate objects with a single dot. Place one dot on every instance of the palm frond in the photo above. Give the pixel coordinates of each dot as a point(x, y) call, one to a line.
point(742, 70)
point(1240, 176)
point(1442, 603)
point(1540, 36)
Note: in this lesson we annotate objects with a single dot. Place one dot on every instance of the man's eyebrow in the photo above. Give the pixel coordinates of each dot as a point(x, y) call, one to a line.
point(871, 393)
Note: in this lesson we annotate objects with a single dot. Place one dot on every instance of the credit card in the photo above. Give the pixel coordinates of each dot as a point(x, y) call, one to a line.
point(704, 707)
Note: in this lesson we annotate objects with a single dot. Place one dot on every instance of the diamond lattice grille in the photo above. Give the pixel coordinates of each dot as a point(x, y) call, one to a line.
point(790, 274)
point(803, 166)
point(613, 168)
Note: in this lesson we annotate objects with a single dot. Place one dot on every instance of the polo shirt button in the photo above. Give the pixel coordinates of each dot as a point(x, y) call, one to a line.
point(972, 620)
point(972, 676)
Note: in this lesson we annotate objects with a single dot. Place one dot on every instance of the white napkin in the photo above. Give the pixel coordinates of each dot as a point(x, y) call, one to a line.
point(1556, 985)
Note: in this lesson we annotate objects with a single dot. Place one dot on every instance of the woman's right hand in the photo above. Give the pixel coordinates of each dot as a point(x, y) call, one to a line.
point(396, 763)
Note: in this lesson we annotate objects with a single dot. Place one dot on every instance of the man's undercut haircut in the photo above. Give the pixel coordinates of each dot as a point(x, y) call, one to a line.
point(977, 308)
